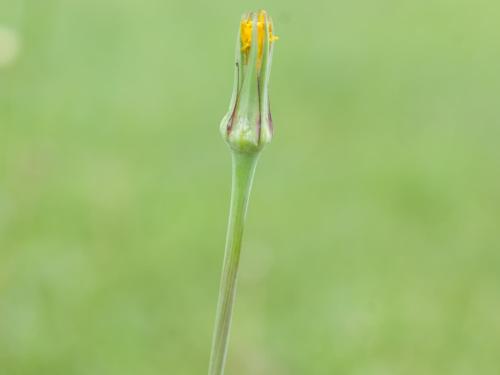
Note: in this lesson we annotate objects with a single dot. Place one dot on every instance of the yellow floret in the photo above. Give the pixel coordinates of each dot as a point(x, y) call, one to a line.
point(246, 34)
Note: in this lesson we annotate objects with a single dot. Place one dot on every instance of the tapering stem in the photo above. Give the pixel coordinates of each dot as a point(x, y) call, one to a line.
point(242, 175)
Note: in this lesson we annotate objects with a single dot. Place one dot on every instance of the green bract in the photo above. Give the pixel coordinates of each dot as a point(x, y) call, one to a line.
point(247, 126)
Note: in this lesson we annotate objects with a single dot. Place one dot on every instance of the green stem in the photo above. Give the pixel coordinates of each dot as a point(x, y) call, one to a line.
point(242, 175)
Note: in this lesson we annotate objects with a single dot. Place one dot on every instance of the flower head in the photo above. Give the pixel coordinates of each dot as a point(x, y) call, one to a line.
point(248, 124)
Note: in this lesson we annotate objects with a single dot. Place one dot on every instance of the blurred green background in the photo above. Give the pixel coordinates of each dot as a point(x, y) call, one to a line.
point(373, 240)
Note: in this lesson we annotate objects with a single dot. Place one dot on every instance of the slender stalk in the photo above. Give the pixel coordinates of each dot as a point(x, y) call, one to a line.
point(243, 169)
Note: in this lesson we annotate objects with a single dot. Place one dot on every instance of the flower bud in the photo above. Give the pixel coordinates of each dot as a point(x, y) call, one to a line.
point(247, 127)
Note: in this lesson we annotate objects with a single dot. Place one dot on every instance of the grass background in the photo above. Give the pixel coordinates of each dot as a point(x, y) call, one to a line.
point(372, 244)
